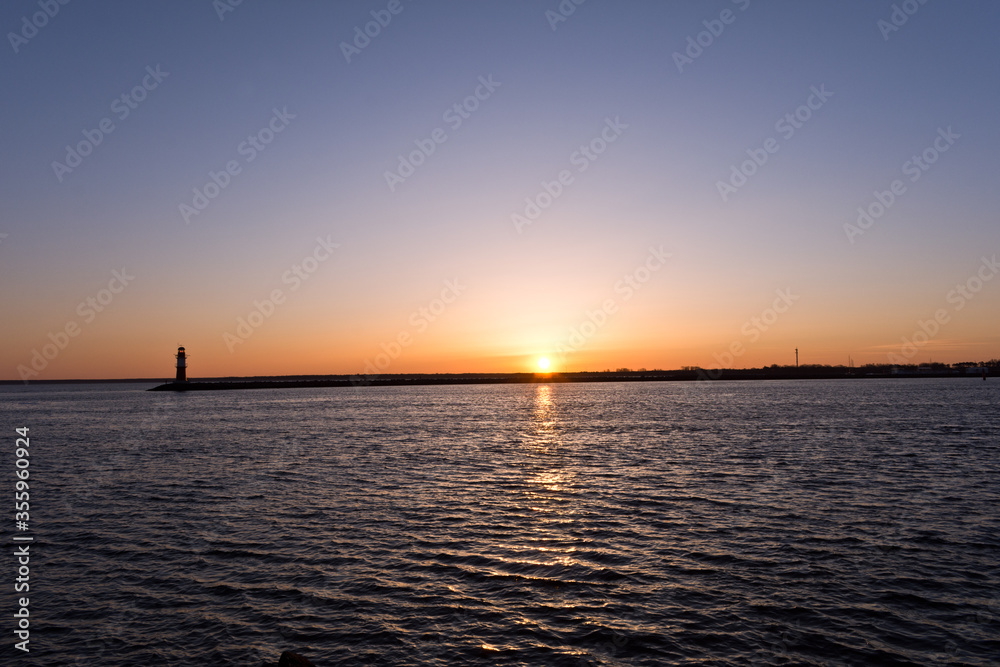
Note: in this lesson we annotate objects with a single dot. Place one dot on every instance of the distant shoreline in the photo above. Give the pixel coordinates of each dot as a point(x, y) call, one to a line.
point(425, 379)
point(421, 379)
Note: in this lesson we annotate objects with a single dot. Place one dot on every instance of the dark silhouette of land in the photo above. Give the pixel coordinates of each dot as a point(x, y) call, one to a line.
point(690, 374)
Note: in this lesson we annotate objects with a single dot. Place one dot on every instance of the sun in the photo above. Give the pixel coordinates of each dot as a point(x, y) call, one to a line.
point(544, 363)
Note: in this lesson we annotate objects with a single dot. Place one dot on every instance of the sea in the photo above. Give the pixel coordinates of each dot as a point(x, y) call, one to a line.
point(841, 522)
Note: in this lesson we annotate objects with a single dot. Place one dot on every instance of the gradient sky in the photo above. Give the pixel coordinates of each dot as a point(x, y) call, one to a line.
point(521, 292)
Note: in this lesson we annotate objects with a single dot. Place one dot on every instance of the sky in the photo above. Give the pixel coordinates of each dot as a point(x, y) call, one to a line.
point(427, 186)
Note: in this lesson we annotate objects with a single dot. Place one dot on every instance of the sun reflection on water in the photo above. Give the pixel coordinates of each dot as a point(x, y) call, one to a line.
point(547, 498)
point(543, 429)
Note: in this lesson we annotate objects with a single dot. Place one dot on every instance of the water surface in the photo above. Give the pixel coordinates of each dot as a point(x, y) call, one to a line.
point(825, 522)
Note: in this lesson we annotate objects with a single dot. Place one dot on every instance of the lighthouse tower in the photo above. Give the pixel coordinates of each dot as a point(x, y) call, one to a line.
point(181, 366)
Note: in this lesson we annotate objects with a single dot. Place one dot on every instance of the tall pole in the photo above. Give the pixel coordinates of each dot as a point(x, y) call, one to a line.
point(796, 357)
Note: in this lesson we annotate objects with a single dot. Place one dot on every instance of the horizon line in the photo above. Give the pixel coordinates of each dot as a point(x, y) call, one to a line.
point(992, 363)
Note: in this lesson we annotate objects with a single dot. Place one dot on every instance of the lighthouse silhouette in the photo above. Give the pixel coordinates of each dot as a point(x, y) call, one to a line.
point(181, 365)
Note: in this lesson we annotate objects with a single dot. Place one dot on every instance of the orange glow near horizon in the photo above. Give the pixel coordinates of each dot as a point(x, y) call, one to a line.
point(276, 350)
point(482, 331)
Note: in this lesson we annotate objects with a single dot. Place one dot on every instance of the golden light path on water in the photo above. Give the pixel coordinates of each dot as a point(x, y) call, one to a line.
point(544, 493)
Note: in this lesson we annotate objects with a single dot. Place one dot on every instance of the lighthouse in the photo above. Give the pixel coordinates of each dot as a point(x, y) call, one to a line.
point(181, 366)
